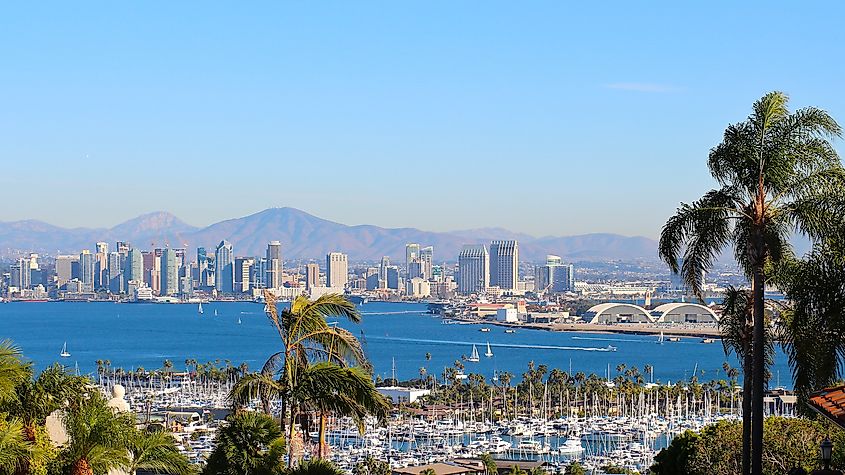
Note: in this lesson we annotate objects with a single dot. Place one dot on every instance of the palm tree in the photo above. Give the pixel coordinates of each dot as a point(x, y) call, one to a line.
point(777, 172)
point(736, 327)
point(489, 463)
point(97, 436)
point(14, 449)
point(155, 452)
point(307, 338)
point(36, 399)
point(13, 370)
point(251, 443)
point(814, 324)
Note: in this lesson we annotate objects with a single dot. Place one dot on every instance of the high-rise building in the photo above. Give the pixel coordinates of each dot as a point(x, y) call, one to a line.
point(474, 269)
point(392, 277)
point(243, 272)
point(382, 268)
point(115, 273)
point(169, 272)
point(554, 276)
point(412, 254)
point(123, 248)
point(337, 269)
point(504, 264)
point(427, 262)
point(86, 271)
point(312, 275)
point(20, 274)
point(225, 267)
point(274, 265)
point(64, 269)
point(101, 266)
point(135, 266)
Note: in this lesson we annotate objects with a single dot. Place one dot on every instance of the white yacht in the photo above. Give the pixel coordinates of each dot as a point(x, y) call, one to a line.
point(572, 446)
point(474, 356)
point(64, 353)
point(489, 352)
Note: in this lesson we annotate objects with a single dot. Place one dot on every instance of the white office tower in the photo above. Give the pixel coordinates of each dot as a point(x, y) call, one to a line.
point(274, 265)
point(337, 270)
point(474, 269)
point(504, 264)
point(426, 262)
point(382, 268)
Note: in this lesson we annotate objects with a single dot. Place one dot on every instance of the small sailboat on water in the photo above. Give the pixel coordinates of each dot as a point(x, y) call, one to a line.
point(215, 312)
point(489, 352)
point(660, 338)
point(64, 353)
point(239, 320)
point(474, 356)
point(199, 308)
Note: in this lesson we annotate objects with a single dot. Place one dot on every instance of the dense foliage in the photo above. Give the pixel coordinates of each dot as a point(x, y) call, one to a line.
point(788, 443)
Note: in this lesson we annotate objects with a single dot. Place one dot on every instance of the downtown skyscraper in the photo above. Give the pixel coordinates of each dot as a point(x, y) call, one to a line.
point(504, 264)
point(473, 269)
point(274, 265)
point(224, 261)
point(337, 270)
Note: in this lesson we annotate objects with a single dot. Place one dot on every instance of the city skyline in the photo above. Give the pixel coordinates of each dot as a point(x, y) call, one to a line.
point(604, 120)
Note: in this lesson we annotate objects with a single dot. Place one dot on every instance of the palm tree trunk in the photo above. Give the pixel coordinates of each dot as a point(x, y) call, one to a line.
point(321, 446)
point(746, 412)
point(759, 364)
point(291, 434)
point(81, 467)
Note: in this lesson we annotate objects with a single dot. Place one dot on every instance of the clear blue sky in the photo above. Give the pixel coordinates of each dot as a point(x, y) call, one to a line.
point(543, 117)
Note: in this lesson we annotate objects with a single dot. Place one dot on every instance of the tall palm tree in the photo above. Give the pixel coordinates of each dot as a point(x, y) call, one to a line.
point(736, 326)
point(777, 172)
point(97, 436)
point(155, 452)
point(814, 333)
point(251, 443)
point(307, 338)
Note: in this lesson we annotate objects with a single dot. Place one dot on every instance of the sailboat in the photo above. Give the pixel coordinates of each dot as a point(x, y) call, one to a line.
point(239, 320)
point(215, 312)
point(199, 308)
point(474, 356)
point(64, 353)
point(489, 351)
point(660, 338)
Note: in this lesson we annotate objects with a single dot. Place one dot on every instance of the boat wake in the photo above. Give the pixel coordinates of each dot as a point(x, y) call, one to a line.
point(499, 345)
point(609, 339)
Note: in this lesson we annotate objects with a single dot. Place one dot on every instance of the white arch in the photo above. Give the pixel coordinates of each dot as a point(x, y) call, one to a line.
point(612, 312)
point(679, 312)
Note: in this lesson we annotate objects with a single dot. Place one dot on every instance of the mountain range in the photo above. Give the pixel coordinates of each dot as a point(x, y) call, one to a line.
point(305, 236)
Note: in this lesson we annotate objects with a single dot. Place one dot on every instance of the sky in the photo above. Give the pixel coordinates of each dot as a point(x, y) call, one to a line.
point(549, 118)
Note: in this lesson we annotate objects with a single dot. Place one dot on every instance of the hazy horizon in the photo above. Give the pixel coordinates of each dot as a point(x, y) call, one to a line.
point(549, 119)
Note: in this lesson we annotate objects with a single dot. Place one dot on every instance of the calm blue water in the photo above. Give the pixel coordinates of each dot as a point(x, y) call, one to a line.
point(132, 335)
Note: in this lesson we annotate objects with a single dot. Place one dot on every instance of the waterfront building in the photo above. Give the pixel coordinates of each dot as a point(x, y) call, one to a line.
point(312, 275)
point(169, 273)
point(134, 266)
point(337, 270)
point(261, 274)
point(474, 269)
point(243, 271)
point(679, 312)
point(86, 270)
point(224, 261)
point(554, 276)
point(611, 313)
point(415, 269)
point(64, 269)
point(504, 264)
point(418, 288)
point(274, 265)
point(371, 279)
point(115, 273)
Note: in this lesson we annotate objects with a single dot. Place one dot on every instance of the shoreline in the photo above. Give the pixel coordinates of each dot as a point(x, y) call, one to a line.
point(624, 328)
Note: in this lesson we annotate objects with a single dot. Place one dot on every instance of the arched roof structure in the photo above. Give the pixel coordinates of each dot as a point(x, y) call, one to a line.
point(611, 312)
point(680, 312)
